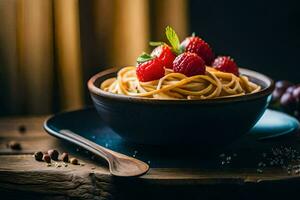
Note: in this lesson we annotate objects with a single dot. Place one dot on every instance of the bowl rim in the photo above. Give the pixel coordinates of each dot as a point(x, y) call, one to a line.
point(94, 90)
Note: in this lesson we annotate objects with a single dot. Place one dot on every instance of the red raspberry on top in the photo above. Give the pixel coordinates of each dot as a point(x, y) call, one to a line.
point(226, 64)
point(164, 53)
point(189, 64)
point(196, 45)
point(150, 70)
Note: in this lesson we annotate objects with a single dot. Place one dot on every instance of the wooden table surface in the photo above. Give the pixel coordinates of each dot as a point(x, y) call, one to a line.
point(23, 177)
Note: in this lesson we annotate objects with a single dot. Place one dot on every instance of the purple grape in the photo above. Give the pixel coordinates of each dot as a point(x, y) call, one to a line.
point(280, 88)
point(290, 89)
point(296, 93)
point(283, 84)
point(276, 95)
point(288, 103)
point(286, 97)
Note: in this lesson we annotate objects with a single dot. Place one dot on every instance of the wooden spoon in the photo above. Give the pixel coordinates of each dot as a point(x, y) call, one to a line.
point(119, 164)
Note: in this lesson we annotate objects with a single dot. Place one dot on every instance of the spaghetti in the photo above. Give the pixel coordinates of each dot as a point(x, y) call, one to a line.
point(214, 84)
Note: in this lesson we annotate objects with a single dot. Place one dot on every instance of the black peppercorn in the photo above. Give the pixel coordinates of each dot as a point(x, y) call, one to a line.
point(14, 145)
point(22, 129)
point(38, 156)
point(53, 154)
point(65, 157)
point(47, 158)
point(74, 161)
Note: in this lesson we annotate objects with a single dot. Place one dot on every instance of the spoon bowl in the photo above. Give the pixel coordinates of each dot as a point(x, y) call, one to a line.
point(120, 166)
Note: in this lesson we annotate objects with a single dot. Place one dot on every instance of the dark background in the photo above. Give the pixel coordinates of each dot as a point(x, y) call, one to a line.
point(260, 35)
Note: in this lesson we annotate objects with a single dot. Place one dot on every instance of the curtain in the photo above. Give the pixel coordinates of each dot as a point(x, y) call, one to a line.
point(49, 48)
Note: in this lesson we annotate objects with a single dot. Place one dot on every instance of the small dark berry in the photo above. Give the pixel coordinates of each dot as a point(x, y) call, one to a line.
point(65, 157)
point(74, 161)
point(53, 154)
point(38, 156)
point(47, 158)
point(14, 145)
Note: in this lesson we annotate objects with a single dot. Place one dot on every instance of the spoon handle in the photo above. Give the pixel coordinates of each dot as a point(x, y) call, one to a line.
point(119, 164)
point(103, 152)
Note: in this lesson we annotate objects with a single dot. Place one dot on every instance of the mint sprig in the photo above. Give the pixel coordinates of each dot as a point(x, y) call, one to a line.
point(173, 39)
point(144, 57)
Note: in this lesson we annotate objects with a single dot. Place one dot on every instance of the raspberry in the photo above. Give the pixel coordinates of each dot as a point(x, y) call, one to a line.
point(165, 54)
point(226, 64)
point(189, 64)
point(200, 47)
point(150, 70)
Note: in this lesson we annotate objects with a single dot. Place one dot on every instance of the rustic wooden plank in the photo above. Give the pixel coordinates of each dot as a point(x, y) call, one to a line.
point(73, 180)
point(26, 163)
point(9, 127)
point(21, 173)
point(32, 136)
point(29, 145)
point(12, 194)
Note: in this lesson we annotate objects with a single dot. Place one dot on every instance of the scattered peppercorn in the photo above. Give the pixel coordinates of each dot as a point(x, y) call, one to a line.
point(74, 161)
point(65, 157)
point(56, 164)
point(38, 156)
point(46, 158)
point(22, 128)
point(53, 154)
point(14, 145)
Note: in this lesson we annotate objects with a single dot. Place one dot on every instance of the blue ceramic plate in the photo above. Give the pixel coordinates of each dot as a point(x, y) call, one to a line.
point(274, 124)
point(87, 123)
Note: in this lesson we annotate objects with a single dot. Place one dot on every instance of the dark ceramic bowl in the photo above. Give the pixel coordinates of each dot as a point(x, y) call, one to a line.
point(167, 122)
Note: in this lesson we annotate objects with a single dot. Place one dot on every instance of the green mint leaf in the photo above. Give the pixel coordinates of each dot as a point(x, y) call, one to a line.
point(144, 57)
point(155, 44)
point(193, 34)
point(173, 39)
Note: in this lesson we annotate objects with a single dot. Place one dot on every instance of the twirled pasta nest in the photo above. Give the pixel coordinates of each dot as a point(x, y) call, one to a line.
point(214, 84)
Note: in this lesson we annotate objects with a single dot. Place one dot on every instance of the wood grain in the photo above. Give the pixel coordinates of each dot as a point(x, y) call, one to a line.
point(21, 175)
